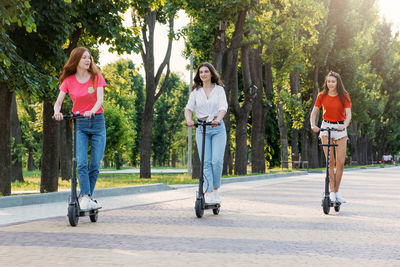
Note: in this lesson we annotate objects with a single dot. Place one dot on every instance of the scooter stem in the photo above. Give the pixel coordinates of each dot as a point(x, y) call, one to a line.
point(201, 182)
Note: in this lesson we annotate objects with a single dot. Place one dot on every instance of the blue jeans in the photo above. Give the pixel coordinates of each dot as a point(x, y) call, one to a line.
point(214, 151)
point(94, 130)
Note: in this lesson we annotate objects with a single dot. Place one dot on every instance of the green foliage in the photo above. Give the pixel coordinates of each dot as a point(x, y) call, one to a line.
point(125, 92)
point(272, 142)
point(116, 132)
point(103, 21)
point(168, 121)
point(31, 121)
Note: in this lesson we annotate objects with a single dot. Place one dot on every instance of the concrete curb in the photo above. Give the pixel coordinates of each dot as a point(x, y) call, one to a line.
point(245, 178)
point(23, 200)
point(261, 177)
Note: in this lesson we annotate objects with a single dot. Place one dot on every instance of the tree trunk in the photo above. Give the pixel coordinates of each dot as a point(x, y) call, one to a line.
point(259, 112)
point(31, 163)
point(65, 150)
point(50, 151)
point(313, 156)
point(145, 137)
point(354, 151)
point(241, 113)
point(117, 161)
point(219, 46)
point(106, 162)
point(174, 158)
point(5, 138)
point(152, 83)
point(219, 60)
point(16, 159)
point(295, 89)
point(283, 131)
point(241, 145)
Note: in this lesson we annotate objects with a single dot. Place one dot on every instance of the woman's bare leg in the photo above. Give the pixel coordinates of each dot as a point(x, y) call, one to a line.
point(332, 180)
point(340, 158)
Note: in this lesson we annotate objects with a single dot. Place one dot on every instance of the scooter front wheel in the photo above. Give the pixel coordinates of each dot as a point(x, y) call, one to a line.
point(73, 214)
point(198, 208)
point(326, 205)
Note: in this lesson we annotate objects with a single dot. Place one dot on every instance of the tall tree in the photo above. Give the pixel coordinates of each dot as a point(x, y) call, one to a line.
point(13, 71)
point(144, 16)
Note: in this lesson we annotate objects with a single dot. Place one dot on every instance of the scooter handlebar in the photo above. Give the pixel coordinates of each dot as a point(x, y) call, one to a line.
point(328, 129)
point(208, 123)
point(71, 116)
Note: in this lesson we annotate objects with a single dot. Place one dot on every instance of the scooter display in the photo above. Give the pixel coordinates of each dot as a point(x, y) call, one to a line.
point(200, 204)
point(326, 201)
point(74, 210)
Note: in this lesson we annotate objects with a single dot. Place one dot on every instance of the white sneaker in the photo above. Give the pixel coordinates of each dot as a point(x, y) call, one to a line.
point(217, 197)
point(332, 196)
point(94, 205)
point(84, 204)
point(209, 198)
point(339, 198)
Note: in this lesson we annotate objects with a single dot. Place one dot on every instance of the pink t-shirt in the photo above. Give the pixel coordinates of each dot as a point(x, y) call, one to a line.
point(83, 95)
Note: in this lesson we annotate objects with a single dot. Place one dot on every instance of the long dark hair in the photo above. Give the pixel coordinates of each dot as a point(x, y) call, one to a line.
point(73, 61)
point(214, 76)
point(339, 87)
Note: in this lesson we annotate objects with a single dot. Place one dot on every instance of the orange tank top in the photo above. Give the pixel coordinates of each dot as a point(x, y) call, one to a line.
point(333, 110)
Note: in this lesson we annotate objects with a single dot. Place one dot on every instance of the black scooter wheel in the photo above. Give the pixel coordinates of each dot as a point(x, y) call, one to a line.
point(198, 208)
point(326, 205)
point(73, 215)
point(337, 208)
point(216, 211)
point(94, 216)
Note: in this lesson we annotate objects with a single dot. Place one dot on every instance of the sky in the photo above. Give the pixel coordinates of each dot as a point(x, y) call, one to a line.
point(177, 64)
point(389, 9)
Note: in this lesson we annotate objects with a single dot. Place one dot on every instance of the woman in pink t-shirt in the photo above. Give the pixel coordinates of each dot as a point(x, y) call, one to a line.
point(81, 79)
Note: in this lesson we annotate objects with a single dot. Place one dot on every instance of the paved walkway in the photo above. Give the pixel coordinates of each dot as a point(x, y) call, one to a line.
point(173, 170)
point(276, 222)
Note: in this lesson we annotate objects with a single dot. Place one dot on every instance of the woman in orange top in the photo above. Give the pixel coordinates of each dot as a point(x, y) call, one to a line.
point(336, 114)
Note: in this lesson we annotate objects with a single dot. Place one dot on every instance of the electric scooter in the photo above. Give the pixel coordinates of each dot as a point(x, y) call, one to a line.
point(74, 210)
point(200, 204)
point(326, 201)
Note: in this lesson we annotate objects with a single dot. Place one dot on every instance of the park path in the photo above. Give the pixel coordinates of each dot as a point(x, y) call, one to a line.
point(273, 222)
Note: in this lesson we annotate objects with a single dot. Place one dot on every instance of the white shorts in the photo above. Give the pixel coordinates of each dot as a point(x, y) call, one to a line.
point(335, 135)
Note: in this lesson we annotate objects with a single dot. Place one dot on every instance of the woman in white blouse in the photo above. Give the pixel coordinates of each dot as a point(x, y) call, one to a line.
point(208, 99)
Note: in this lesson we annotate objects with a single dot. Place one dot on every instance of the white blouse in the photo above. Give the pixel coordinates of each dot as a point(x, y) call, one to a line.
point(207, 107)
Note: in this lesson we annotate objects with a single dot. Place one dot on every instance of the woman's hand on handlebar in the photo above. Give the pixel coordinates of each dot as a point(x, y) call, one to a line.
point(214, 123)
point(88, 114)
point(341, 128)
point(315, 129)
point(190, 123)
point(58, 116)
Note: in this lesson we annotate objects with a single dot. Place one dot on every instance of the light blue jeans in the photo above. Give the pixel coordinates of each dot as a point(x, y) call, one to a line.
point(94, 130)
point(214, 151)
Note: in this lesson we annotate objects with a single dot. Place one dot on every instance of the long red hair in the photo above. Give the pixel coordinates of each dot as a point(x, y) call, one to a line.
point(72, 64)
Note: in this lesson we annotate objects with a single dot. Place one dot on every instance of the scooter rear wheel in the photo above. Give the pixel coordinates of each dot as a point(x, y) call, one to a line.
point(198, 208)
point(337, 208)
point(216, 211)
point(326, 205)
point(94, 216)
point(73, 215)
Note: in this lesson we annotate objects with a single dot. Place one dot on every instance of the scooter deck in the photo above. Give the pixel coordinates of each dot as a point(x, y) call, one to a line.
point(212, 205)
point(335, 204)
point(88, 212)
